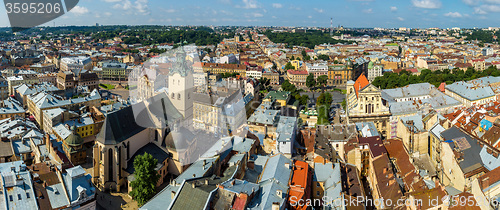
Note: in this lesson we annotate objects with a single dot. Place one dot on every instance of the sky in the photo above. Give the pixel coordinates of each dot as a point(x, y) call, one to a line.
point(348, 13)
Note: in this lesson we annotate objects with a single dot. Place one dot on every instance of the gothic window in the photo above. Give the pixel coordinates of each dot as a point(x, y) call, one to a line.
point(173, 95)
point(110, 164)
point(119, 162)
point(178, 96)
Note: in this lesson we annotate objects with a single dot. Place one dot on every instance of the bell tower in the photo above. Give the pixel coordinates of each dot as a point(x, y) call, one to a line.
point(181, 86)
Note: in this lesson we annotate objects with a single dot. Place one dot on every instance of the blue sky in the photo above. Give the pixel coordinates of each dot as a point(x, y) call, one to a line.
point(349, 13)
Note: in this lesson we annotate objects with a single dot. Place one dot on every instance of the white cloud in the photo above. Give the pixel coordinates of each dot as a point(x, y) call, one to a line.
point(107, 14)
point(453, 15)
point(427, 4)
point(142, 6)
point(277, 5)
point(485, 9)
point(170, 10)
point(255, 15)
point(124, 5)
point(78, 10)
point(491, 1)
point(471, 2)
point(367, 11)
point(309, 17)
point(400, 19)
point(226, 12)
point(112, 1)
point(319, 10)
point(478, 10)
point(249, 4)
point(139, 6)
point(394, 9)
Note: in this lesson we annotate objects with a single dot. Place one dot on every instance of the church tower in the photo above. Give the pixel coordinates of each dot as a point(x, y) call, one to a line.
point(181, 86)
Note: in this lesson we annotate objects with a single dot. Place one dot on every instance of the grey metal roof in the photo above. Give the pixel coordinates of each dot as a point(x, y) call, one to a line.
point(45, 100)
point(471, 158)
point(417, 126)
point(252, 175)
point(75, 180)
point(367, 129)
point(286, 128)
point(241, 186)
point(19, 191)
point(11, 106)
point(470, 91)
point(57, 196)
point(322, 171)
point(161, 200)
point(278, 167)
point(268, 195)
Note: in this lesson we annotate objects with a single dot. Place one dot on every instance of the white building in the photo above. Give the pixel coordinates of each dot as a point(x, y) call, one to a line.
point(231, 58)
point(317, 69)
point(487, 51)
point(255, 73)
point(76, 64)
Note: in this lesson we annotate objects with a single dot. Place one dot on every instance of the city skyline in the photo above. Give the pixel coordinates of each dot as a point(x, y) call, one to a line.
point(348, 13)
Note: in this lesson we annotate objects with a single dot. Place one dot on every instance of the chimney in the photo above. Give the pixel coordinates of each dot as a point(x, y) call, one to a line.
point(275, 206)
point(251, 164)
point(172, 195)
point(206, 181)
point(193, 185)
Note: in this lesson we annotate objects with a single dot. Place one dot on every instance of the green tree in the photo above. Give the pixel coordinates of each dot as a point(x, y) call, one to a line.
point(289, 66)
point(303, 100)
point(322, 80)
point(310, 81)
point(323, 103)
point(146, 177)
point(324, 57)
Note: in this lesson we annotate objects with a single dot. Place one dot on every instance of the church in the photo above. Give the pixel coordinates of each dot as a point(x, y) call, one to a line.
point(160, 123)
point(364, 104)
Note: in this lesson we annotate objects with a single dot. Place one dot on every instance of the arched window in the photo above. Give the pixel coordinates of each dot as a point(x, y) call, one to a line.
point(128, 150)
point(110, 164)
point(178, 96)
point(119, 162)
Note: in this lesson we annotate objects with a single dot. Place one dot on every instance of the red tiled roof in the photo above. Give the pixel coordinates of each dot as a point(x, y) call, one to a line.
point(442, 86)
point(240, 202)
point(300, 182)
point(376, 145)
point(297, 72)
point(360, 83)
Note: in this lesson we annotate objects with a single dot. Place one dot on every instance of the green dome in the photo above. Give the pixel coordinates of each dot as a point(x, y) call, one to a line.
point(370, 65)
point(74, 139)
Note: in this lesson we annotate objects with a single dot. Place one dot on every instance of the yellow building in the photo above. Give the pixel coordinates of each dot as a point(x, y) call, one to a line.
point(297, 78)
point(339, 74)
point(295, 64)
point(218, 68)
